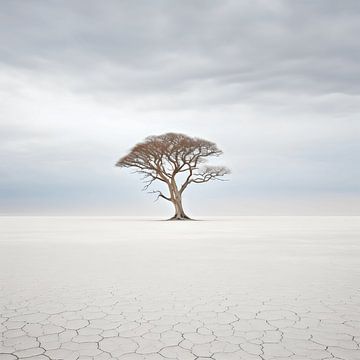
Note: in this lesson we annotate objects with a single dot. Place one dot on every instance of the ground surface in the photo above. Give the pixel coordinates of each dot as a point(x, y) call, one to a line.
point(231, 288)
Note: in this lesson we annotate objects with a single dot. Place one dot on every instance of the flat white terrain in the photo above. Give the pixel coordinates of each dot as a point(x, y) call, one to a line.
point(222, 288)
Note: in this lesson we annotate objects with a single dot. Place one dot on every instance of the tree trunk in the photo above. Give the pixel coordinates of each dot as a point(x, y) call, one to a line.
point(177, 202)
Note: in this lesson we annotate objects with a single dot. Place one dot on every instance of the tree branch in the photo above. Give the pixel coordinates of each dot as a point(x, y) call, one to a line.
point(160, 195)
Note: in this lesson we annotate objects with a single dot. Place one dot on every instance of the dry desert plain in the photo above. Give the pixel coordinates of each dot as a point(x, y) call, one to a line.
point(224, 288)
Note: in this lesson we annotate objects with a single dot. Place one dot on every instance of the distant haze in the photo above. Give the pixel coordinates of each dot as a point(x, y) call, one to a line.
point(276, 84)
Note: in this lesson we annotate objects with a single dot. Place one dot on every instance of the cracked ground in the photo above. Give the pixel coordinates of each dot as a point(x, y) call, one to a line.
point(101, 288)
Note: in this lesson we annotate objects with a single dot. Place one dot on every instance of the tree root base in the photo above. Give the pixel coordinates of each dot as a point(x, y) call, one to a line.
point(179, 218)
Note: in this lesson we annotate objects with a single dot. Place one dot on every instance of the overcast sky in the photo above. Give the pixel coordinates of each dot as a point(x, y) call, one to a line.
point(275, 83)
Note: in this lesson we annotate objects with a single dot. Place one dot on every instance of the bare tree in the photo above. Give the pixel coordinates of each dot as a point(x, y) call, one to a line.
point(176, 160)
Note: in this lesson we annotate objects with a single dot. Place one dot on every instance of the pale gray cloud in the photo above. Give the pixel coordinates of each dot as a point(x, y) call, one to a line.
point(275, 83)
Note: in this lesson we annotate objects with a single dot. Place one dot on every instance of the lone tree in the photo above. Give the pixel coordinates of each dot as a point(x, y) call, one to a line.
point(176, 160)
